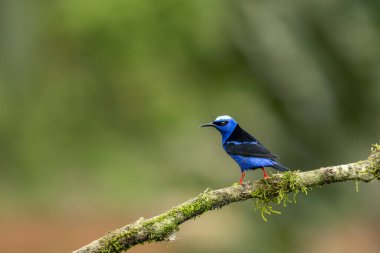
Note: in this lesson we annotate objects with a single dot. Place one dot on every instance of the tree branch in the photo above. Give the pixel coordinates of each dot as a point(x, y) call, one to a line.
point(275, 189)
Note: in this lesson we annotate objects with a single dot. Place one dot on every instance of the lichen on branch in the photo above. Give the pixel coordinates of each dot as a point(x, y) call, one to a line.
point(276, 190)
point(265, 193)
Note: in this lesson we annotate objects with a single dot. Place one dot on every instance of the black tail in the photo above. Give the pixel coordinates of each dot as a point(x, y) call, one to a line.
point(279, 167)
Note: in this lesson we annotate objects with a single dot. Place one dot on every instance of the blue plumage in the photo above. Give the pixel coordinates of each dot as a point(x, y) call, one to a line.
point(245, 149)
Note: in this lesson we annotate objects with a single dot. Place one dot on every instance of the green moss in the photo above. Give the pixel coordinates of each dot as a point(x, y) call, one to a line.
point(374, 160)
point(200, 205)
point(161, 227)
point(276, 190)
point(114, 244)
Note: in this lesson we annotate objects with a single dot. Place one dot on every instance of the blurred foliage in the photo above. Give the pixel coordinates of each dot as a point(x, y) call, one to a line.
point(100, 101)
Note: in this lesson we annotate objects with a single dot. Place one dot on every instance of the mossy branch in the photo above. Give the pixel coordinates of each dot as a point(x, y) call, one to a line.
point(275, 189)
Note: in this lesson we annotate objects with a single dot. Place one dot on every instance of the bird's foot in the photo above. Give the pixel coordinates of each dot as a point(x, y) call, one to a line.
point(242, 177)
point(265, 173)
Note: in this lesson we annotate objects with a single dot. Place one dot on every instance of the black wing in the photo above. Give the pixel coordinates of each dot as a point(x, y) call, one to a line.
point(242, 143)
point(250, 149)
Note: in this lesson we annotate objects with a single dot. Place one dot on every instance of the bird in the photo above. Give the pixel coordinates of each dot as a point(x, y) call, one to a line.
point(243, 148)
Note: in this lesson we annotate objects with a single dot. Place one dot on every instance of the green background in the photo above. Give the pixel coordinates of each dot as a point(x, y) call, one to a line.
point(100, 104)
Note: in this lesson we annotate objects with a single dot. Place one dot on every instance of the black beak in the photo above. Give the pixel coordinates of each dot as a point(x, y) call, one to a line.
point(211, 124)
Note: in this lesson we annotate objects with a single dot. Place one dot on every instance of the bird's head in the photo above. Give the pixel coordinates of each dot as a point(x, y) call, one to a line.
point(224, 124)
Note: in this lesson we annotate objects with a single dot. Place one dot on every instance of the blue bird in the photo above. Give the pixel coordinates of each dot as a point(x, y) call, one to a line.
point(245, 149)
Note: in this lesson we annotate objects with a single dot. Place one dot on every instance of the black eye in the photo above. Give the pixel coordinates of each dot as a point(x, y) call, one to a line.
point(220, 123)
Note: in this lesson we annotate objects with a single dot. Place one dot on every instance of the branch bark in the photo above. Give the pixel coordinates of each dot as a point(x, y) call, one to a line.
point(275, 189)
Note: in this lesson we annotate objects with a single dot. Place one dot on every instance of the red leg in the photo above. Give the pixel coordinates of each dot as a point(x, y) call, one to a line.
point(242, 177)
point(265, 173)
